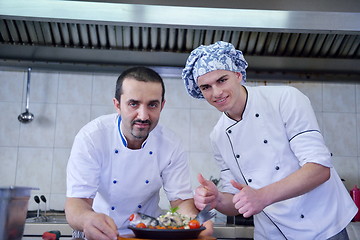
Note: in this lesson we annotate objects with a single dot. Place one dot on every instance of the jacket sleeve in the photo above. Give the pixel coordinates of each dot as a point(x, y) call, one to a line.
point(83, 169)
point(305, 138)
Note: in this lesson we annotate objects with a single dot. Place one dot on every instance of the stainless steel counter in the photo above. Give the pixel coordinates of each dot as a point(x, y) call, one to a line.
point(233, 231)
point(220, 230)
point(36, 226)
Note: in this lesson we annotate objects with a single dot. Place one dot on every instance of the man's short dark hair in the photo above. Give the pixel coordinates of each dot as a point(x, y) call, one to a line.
point(140, 74)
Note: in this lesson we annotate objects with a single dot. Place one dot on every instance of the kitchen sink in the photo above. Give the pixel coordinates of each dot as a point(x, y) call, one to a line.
point(47, 219)
point(35, 226)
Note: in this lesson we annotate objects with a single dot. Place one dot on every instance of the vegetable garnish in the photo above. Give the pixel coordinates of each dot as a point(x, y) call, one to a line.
point(141, 225)
point(170, 220)
point(193, 224)
point(174, 209)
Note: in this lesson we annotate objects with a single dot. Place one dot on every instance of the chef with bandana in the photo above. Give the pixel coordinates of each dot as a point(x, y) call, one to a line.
point(273, 159)
point(119, 163)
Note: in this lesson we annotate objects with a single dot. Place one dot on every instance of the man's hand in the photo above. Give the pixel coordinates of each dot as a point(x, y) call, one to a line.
point(248, 201)
point(251, 201)
point(206, 193)
point(98, 226)
point(81, 216)
point(209, 231)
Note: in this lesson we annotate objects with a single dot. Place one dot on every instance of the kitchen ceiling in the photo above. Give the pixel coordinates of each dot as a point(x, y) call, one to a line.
point(279, 40)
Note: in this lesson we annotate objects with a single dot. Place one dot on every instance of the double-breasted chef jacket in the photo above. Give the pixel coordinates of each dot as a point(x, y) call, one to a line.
point(121, 180)
point(277, 135)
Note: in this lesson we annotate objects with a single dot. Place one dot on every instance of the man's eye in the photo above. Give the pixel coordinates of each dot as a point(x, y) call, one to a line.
point(153, 105)
point(204, 88)
point(133, 104)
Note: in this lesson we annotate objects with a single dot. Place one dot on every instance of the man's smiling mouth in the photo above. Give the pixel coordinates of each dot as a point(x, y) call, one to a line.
point(221, 100)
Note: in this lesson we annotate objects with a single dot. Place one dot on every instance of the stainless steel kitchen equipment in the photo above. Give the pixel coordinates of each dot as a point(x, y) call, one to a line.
point(13, 208)
point(205, 214)
point(27, 116)
point(304, 40)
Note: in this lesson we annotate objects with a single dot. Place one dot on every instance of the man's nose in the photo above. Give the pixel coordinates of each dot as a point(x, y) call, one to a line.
point(217, 91)
point(143, 113)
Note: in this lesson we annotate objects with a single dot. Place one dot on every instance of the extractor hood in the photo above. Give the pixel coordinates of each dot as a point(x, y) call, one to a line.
point(298, 39)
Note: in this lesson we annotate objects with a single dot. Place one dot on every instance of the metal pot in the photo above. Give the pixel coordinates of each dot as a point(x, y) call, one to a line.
point(13, 208)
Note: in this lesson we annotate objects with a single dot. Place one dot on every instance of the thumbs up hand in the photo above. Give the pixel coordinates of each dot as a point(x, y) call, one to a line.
point(248, 201)
point(237, 185)
point(206, 193)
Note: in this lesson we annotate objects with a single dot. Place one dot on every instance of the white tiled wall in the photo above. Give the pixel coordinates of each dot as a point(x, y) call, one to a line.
point(35, 154)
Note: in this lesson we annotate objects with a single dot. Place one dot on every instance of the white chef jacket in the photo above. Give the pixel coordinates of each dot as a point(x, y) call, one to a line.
point(121, 180)
point(277, 135)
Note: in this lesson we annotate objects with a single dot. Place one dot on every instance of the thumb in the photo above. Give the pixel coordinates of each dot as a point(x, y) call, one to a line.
point(237, 185)
point(202, 180)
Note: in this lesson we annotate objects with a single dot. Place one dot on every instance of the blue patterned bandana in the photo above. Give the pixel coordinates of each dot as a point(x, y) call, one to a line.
point(204, 59)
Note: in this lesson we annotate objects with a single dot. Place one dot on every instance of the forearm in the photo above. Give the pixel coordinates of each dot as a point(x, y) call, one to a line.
point(225, 204)
point(76, 210)
point(310, 176)
point(186, 207)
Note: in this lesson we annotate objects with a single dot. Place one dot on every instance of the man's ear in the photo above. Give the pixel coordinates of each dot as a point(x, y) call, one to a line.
point(116, 105)
point(162, 104)
point(239, 75)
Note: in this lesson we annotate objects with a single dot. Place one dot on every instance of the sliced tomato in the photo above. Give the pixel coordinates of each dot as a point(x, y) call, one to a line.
point(141, 225)
point(194, 224)
point(131, 217)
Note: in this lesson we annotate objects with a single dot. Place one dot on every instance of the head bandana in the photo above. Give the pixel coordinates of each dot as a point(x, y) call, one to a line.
point(204, 59)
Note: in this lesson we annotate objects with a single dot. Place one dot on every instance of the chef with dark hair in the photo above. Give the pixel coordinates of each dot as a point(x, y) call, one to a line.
point(119, 162)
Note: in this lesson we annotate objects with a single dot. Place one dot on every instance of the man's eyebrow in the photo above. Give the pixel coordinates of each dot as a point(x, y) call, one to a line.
point(133, 100)
point(154, 101)
point(220, 78)
point(223, 76)
point(204, 85)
